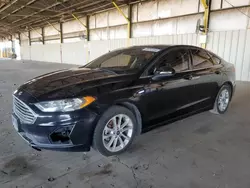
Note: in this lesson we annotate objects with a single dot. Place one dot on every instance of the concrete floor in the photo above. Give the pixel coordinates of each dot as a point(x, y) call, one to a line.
point(204, 150)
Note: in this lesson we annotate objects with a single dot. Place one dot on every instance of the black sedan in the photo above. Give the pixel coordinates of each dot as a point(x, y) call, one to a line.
point(120, 95)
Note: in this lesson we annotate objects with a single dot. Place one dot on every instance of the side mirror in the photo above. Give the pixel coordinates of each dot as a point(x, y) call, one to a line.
point(163, 72)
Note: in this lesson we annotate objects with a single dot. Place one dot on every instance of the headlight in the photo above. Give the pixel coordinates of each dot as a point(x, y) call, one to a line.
point(65, 105)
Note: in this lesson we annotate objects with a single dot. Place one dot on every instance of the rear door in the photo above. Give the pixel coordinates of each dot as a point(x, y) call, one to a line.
point(206, 75)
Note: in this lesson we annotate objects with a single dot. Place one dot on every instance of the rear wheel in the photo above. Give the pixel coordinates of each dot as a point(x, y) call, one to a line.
point(115, 131)
point(222, 100)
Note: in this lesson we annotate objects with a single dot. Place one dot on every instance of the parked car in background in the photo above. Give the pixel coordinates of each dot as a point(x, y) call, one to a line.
point(116, 97)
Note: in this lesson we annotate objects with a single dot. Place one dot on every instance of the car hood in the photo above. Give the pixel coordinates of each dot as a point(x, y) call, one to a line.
point(71, 83)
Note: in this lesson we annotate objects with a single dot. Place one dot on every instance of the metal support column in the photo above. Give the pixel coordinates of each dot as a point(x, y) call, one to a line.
point(207, 6)
point(130, 20)
point(87, 27)
point(127, 19)
point(59, 30)
point(19, 37)
point(43, 40)
point(29, 38)
point(61, 33)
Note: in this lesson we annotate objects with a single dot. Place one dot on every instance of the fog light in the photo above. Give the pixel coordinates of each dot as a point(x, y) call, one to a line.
point(61, 135)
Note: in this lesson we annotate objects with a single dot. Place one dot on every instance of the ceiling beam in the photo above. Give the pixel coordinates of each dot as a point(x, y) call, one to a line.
point(30, 2)
point(51, 6)
point(38, 8)
point(8, 5)
point(23, 15)
point(64, 11)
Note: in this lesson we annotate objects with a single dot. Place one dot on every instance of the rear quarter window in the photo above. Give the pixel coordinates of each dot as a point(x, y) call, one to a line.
point(215, 59)
point(201, 59)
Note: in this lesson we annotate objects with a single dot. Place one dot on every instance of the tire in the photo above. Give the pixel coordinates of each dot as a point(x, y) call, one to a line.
point(217, 109)
point(109, 138)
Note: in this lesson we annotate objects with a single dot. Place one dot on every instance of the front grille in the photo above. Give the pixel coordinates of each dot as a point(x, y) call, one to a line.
point(23, 112)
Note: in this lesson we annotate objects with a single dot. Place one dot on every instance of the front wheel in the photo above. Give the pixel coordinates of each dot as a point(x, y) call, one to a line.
point(115, 131)
point(222, 100)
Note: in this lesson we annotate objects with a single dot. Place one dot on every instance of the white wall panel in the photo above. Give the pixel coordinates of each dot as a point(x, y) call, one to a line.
point(102, 19)
point(216, 4)
point(24, 36)
point(142, 29)
point(235, 3)
point(187, 24)
point(234, 47)
point(245, 72)
point(221, 46)
point(71, 40)
point(134, 13)
point(74, 26)
point(49, 30)
point(99, 34)
point(165, 9)
point(115, 17)
point(25, 42)
point(25, 52)
point(52, 53)
point(210, 41)
point(52, 41)
point(240, 53)
point(120, 43)
point(92, 23)
point(147, 11)
point(172, 8)
point(37, 52)
point(188, 6)
point(118, 32)
point(36, 33)
point(165, 27)
point(216, 39)
point(75, 53)
point(95, 34)
point(97, 48)
point(228, 20)
point(228, 45)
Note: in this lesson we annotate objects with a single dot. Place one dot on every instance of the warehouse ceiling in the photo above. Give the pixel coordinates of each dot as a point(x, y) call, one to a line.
point(23, 15)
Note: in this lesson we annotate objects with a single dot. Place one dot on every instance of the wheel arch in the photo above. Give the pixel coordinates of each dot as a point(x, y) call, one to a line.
point(134, 109)
point(231, 86)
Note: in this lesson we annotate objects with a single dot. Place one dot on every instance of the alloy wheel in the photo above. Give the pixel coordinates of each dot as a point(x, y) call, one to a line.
point(117, 133)
point(223, 100)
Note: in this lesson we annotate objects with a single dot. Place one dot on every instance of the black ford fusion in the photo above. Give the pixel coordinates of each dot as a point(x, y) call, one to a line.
point(120, 95)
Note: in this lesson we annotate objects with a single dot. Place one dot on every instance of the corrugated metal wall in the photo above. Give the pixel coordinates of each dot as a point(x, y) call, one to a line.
point(233, 46)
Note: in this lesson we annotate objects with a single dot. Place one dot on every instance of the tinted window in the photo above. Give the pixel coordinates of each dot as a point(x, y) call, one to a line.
point(216, 60)
point(177, 59)
point(201, 59)
point(125, 59)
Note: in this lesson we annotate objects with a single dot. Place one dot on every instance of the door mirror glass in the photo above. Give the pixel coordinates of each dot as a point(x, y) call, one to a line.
point(163, 72)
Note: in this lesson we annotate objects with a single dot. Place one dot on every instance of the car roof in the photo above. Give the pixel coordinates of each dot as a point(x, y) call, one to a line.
point(160, 46)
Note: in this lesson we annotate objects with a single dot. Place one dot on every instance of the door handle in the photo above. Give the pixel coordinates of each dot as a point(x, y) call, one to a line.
point(188, 77)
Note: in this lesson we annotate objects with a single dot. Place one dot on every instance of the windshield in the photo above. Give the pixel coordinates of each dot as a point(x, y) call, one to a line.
point(133, 59)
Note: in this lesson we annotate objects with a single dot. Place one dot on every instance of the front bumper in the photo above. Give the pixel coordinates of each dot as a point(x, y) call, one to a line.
point(61, 132)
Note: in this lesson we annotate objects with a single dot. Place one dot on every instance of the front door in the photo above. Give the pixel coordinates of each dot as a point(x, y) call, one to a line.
point(171, 94)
